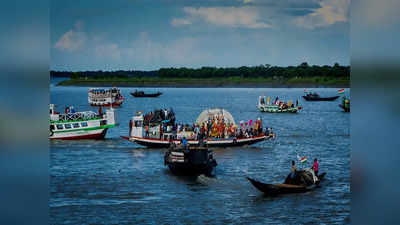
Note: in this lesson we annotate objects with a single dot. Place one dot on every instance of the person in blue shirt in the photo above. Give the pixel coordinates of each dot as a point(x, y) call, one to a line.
point(184, 142)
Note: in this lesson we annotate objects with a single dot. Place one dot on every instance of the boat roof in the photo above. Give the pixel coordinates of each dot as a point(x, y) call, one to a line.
point(211, 112)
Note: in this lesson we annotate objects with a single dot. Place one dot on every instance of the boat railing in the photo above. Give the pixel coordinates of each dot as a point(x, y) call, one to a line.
point(79, 116)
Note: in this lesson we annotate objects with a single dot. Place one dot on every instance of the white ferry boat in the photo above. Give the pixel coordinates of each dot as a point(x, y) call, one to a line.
point(80, 125)
point(105, 97)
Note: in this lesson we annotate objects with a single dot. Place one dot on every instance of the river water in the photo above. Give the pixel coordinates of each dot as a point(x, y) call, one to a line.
point(113, 181)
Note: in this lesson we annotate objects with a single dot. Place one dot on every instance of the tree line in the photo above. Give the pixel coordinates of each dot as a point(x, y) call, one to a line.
point(261, 71)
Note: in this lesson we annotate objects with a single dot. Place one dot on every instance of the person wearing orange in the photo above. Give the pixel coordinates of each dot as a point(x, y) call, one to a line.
point(147, 130)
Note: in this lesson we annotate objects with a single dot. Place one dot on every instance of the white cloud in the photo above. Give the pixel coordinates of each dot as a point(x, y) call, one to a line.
point(111, 51)
point(178, 52)
point(180, 22)
point(73, 40)
point(330, 12)
point(234, 17)
point(246, 1)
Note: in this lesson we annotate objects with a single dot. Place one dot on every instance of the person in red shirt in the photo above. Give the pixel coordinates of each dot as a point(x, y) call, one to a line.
point(315, 167)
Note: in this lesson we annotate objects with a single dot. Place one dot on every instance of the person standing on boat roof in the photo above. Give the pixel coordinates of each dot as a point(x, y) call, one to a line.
point(315, 167)
point(293, 170)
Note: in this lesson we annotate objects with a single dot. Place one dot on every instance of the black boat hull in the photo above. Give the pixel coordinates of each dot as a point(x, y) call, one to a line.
point(191, 162)
point(138, 95)
point(308, 98)
point(277, 189)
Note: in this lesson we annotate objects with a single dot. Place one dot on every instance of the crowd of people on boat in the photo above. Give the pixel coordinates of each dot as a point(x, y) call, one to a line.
point(215, 127)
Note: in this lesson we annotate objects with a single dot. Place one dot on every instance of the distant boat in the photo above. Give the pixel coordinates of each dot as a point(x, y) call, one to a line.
point(141, 94)
point(315, 97)
point(105, 97)
point(345, 104)
point(286, 188)
point(277, 107)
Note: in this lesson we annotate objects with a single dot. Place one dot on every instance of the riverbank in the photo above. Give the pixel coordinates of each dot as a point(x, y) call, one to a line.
point(307, 82)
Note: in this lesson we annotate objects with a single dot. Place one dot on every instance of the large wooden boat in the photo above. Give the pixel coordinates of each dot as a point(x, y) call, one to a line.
point(80, 125)
point(315, 97)
point(105, 97)
point(190, 161)
point(141, 94)
point(162, 131)
point(286, 188)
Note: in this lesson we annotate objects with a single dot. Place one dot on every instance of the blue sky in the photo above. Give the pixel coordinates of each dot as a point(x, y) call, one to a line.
point(148, 35)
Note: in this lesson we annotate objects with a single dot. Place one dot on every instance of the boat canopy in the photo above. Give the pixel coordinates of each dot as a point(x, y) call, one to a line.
point(213, 113)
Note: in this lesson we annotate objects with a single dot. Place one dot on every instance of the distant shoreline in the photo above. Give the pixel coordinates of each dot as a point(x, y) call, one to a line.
point(204, 84)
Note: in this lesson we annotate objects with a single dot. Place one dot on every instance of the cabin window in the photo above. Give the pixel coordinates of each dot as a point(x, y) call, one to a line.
point(84, 124)
point(67, 126)
point(103, 122)
point(60, 127)
point(75, 125)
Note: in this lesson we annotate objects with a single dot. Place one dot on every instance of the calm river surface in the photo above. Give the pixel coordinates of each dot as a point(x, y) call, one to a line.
point(113, 181)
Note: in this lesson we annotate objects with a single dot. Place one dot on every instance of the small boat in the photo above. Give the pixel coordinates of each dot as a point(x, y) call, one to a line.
point(105, 97)
point(80, 125)
point(141, 94)
point(288, 187)
point(315, 97)
point(162, 130)
point(345, 105)
point(190, 161)
point(277, 107)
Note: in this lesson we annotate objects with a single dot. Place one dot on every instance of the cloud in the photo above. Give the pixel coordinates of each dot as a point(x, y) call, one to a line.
point(73, 40)
point(246, 1)
point(233, 17)
point(180, 22)
point(111, 51)
point(178, 52)
point(330, 12)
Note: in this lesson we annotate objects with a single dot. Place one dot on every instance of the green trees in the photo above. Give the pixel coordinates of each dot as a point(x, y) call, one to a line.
point(260, 71)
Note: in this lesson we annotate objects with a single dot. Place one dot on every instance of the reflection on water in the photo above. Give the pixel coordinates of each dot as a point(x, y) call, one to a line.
point(113, 181)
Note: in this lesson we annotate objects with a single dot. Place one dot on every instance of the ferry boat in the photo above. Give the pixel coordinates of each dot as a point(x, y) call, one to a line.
point(277, 106)
point(105, 97)
point(160, 131)
point(80, 125)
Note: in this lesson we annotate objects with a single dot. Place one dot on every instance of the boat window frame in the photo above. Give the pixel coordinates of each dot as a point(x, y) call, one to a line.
point(74, 125)
point(67, 126)
point(59, 126)
point(84, 124)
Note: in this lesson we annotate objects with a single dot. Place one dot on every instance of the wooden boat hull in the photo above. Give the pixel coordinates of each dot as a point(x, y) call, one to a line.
point(308, 98)
point(158, 143)
point(277, 189)
point(146, 95)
